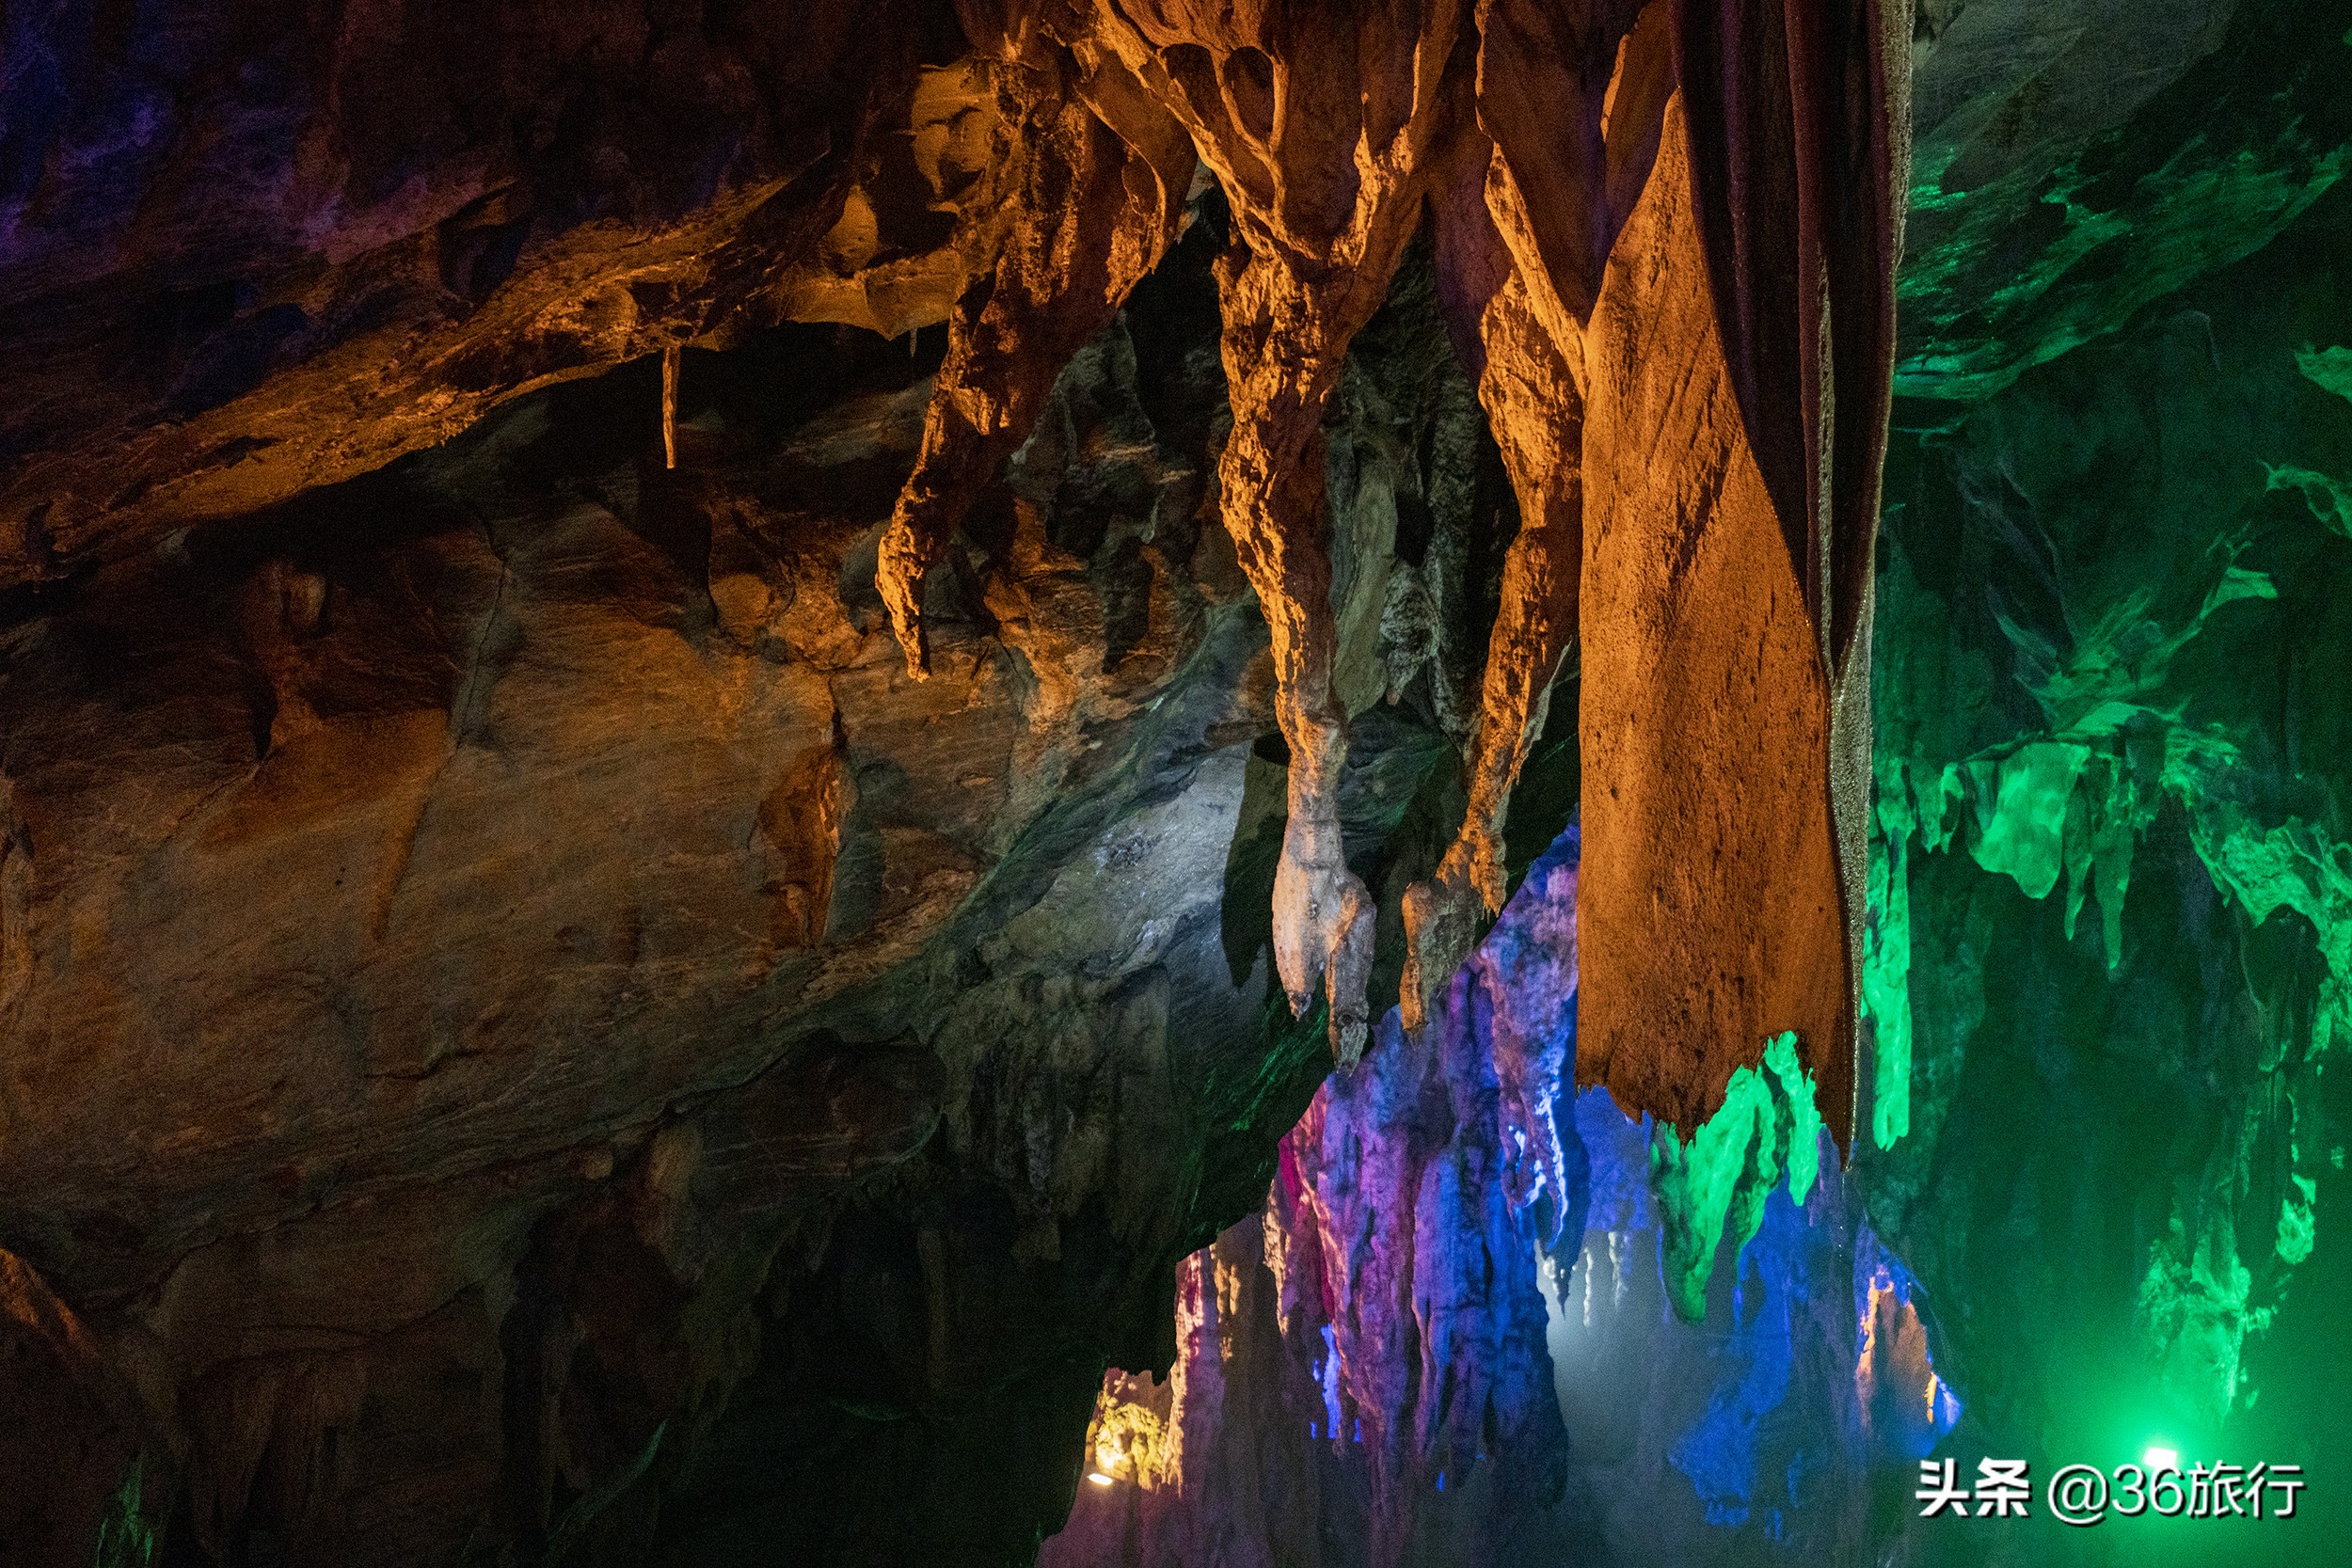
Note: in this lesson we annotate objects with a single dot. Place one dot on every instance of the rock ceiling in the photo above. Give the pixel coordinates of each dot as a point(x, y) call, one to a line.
point(399, 236)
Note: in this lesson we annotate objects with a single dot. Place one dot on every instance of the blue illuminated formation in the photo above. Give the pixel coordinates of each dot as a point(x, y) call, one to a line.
point(1472, 1272)
point(1718, 1453)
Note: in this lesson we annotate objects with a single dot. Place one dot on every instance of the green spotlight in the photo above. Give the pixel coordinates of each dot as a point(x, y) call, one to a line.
point(2159, 1459)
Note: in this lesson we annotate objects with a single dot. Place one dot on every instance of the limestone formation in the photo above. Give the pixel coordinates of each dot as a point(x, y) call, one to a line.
point(513, 994)
point(1577, 99)
point(1529, 134)
point(1085, 215)
point(362, 302)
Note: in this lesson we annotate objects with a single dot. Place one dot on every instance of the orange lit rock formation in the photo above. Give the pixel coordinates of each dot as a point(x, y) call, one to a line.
point(1085, 214)
point(817, 170)
point(1667, 237)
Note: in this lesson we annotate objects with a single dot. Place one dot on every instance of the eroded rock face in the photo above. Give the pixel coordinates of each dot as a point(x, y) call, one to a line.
point(245, 252)
point(468, 929)
point(1448, 1337)
point(2049, 212)
point(1684, 672)
point(70, 1423)
point(2136, 1034)
point(1776, 211)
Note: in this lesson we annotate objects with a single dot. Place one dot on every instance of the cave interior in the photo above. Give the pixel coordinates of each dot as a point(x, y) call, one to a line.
point(1151, 784)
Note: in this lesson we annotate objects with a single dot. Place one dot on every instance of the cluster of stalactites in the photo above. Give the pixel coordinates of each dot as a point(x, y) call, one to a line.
point(1527, 134)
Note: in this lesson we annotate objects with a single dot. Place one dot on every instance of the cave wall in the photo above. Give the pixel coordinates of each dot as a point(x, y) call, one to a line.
point(532, 1036)
point(397, 234)
point(462, 937)
point(2103, 980)
point(2109, 802)
point(245, 251)
point(527, 1033)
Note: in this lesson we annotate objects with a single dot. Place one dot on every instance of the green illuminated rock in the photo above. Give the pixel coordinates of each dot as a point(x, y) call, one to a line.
point(2014, 258)
point(2114, 634)
point(1715, 1184)
point(1887, 958)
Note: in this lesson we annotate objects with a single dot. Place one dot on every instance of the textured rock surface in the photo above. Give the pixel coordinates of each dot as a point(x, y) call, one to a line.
point(501, 959)
point(2050, 211)
point(1327, 162)
point(245, 252)
point(525, 1026)
point(1087, 215)
point(2104, 975)
point(1360, 1375)
point(1706, 714)
point(395, 247)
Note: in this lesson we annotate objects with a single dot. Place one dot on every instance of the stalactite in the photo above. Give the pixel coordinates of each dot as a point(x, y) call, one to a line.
point(1709, 911)
point(1534, 409)
point(1719, 785)
point(1725, 772)
point(1280, 371)
point(1325, 157)
point(1319, 228)
point(1089, 215)
point(1798, 132)
point(1574, 99)
point(670, 357)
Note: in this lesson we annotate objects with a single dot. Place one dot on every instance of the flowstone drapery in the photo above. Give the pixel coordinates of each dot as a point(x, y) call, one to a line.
point(1665, 242)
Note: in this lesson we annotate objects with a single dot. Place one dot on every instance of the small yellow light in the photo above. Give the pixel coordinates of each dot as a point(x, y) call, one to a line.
point(2160, 1460)
point(1098, 1477)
